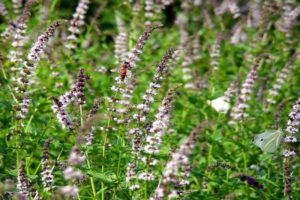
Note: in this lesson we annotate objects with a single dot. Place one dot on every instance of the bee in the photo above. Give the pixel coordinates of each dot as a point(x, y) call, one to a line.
point(123, 70)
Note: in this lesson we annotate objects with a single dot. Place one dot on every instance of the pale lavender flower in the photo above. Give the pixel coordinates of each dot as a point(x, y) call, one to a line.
point(294, 119)
point(288, 19)
point(239, 35)
point(130, 172)
point(239, 109)
point(76, 23)
point(62, 115)
point(292, 130)
point(3, 10)
point(196, 48)
point(215, 52)
point(281, 78)
point(17, 30)
point(254, 17)
point(146, 176)
point(69, 190)
point(149, 11)
point(17, 5)
point(76, 157)
point(121, 41)
point(182, 23)
point(47, 176)
point(23, 185)
point(71, 174)
point(173, 170)
point(157, 130)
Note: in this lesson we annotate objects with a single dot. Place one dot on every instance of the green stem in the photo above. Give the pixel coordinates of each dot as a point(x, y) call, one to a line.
point(91, 179)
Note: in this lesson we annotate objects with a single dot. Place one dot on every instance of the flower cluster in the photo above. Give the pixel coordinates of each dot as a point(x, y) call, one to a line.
point(287, 178)
point(17, 5)
point(159, 127)
point(182, 23)
point(215, 52)
point(250, 181)
point(90, 135)
point(121, 41)
point(76, 158)
point(164, 3)
point(238, 35)
point(61, 114)
point(76, 23)
point(196, 48)
point(292, 129)
point(177, 169)
point(17, 30)
point(238, 111)
point(149, 11)
point(47, 176)
point(69, 191)
point(288, 19)
point(64, 100)
point(228, 5)
point(281, 78)
point(34, 193)
point(3, 10)
point(23, 185)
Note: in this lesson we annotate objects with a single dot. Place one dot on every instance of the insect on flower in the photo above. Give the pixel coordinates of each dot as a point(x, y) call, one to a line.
point(123, 70)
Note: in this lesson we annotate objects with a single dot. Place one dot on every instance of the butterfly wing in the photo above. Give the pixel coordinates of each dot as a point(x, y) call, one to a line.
point(269, 140)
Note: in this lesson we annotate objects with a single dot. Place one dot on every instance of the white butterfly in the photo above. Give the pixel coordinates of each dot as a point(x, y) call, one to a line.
point(269, 140)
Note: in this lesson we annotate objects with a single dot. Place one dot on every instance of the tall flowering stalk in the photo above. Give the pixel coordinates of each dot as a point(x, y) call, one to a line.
point(90, 135)
point(76, 23)
point(62, 115)
point(76, 158)
point(149, 11)
point(239, 35)
point(290, 138)
point(23, 184)
point(287, 21)
point(64, 100)
point(176, 171)
point(47, 176)
point(3, 10)
point(228, 5)
point(155, 133)
point(215, 52)
point(124, 82)
point(182, 23)
point(196, 48)
point(17, 5)
point(239, 109)
point(25, 78)
point(254, 17)
point(121, 48)
point(16, 30)
point(281, 78)
point(148, 98)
